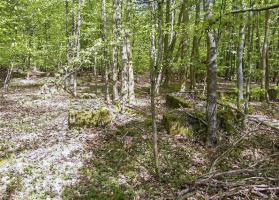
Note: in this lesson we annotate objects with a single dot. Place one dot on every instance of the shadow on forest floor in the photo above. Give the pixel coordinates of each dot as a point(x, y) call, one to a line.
point(122, 166)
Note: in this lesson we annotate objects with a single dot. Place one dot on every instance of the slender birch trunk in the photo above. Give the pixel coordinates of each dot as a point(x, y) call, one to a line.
point(131, 80)
point(105, 52)
point(160, 47)
point(124, 75)
point(195, 50)
point(153, 76)
point(115, 48)
point(8, 78)
point(264, 60)
point(240, 66)
point(249, 61)
point(211, 78)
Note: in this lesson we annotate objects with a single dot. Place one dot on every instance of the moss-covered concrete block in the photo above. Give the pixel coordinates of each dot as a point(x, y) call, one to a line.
point(273, 94)
point(89, 118)
point(182, 123)
point(173, 101)
point(229, 119)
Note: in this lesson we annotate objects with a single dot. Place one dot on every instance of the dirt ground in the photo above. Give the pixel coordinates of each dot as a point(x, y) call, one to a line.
point(41, 158)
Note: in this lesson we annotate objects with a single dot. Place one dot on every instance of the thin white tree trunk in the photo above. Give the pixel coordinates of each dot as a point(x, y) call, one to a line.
point(211, 78)
point(131, 84)
point(115, 48)
point(124, 75)
point(153, 75)
point(105, 51)
point(240, 66)
point(8, 78)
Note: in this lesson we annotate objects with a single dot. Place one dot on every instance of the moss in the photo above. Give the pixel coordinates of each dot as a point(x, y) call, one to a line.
point(128, 131)
point(177, 102)
point(174, 87)
point(273, 93)
point(228, 119)
point(89, 118)
point(181, 123)
point(257, 94)
point(148, 121)
point(178, 129)
point(3, 161)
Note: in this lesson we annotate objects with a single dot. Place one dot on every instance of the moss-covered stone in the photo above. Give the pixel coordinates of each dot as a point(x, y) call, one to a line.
point(89, 118)
point(182, 123)
point(229, 119)
point(173, 101)
point(273, 94)
point(87, 96)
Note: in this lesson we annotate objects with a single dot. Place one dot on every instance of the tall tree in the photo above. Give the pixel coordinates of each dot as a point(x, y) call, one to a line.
point(153, 75)
point(105, 51)
point(211, 76)
point(264, 58)
point(195, 49)
point(240, 65)
point(115, 48)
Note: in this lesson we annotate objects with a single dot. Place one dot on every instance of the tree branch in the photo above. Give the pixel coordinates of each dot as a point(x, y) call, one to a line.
point(255, 9)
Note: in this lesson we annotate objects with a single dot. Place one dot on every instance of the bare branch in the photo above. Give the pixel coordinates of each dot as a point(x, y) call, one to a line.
point(255, 9)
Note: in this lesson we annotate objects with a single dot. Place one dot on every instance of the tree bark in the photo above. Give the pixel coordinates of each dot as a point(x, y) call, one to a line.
point(8, 78)
point(249, 61)
point(131, 80)
point(240, 66)
point(264, 60)
point(131, 85)
point(124, 75)
point(195, 51)
point(105, 52)
point(160, 46)
point(166, 58)
point(115, 48)
point(211, 78)
point(153, 75)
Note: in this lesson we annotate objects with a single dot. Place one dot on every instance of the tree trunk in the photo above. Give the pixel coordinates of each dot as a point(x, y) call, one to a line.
point(195, 50)
point(77, 46)
point(153, 75)
point(115, 48)
point(131, 85)
point(264, 61)
point(8, 78)
point(66, 82)
point(124, 75)
point(105, 52)
point(160, 47)
point(166, 58)
point(249, 61)
point(211, 78)
point(240, 66)
point(131, 80)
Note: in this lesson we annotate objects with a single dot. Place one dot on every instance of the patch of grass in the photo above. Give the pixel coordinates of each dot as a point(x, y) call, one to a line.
point(14, 184)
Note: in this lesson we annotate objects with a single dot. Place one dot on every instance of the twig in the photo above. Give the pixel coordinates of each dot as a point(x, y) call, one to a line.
point(230, 149)
point(264, 123)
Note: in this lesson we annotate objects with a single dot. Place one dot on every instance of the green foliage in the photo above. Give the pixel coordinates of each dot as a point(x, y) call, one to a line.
point(257, 93)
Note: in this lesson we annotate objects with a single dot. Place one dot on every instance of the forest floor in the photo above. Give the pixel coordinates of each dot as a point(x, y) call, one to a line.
point(41, 158)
